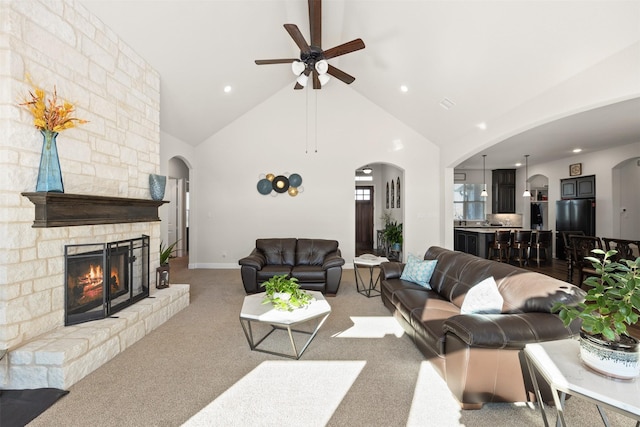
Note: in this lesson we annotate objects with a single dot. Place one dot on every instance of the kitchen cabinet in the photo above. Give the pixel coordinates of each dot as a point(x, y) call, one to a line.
point(504, 191)
point(466, 241)
point(578, 188)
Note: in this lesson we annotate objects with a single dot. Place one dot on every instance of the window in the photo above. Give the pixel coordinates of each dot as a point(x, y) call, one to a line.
point(363, 193)
point(467, 203)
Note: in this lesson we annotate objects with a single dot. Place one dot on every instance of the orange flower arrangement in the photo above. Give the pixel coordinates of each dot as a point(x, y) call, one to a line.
point(50, 114)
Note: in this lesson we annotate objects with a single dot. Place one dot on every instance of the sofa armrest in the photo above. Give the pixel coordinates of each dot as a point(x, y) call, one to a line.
point(391, 270)
point(333, 259)
point(508, 330)
point(256, 260)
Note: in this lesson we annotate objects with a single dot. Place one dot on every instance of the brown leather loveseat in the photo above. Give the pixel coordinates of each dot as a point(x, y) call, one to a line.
point(478, 355)
point(316, 263)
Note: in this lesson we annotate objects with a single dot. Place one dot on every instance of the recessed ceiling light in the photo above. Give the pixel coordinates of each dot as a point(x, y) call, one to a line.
point(404, 89)
point(518, 165)
point(577, 150)
point(227, 89)
point(482, 126)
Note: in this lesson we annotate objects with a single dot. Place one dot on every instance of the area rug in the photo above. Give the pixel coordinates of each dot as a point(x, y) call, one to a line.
point(19, 407)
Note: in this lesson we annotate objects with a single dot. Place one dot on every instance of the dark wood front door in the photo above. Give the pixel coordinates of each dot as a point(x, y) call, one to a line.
point(364, 219)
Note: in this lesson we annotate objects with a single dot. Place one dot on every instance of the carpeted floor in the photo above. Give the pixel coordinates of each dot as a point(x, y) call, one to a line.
point(197, 370)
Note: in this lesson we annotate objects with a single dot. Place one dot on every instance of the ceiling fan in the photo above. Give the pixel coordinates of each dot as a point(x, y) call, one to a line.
point(313, 60)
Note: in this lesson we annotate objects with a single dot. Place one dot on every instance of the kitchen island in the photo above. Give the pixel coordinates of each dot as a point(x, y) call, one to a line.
point(475, 240)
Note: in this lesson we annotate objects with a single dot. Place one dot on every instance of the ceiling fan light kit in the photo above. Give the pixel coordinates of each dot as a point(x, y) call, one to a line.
point(297, 67)
point(313, 60)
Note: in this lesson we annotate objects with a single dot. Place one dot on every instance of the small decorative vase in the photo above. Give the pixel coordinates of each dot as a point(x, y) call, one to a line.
point(157, 184)
point(617, 360)
point(49, 174)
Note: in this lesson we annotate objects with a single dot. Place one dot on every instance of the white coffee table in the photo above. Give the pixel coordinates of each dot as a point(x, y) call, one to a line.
point(254, 311)
point(369, 262)
point(560, 365)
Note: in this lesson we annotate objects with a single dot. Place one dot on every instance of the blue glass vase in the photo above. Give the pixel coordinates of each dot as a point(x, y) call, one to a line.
point(157, 185)
point(49, 174)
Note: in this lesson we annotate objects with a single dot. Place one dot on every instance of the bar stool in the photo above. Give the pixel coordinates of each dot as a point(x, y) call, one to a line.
point(520, 246)
point(499, 248)
point(541, 242)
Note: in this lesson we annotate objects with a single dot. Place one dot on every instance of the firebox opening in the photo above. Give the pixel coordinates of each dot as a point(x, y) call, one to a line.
point(102, 279)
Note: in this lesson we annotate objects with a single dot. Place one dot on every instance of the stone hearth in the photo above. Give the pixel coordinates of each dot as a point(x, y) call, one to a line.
point(64, 356)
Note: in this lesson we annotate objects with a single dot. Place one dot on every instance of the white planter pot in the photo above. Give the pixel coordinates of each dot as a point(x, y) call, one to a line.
point(282, 295)
point(612, 359)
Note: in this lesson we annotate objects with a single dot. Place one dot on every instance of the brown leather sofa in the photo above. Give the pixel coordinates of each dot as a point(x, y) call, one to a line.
point(316, 263)
point(478, 355)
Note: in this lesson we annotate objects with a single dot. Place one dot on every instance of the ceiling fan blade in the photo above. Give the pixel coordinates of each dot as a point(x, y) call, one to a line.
point(315, 22)
point(274, 61)
point(297, 37)
point(316, 81)
point(340, 75)
point(344, 48)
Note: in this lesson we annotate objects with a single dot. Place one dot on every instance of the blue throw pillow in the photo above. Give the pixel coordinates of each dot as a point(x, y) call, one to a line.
point(418, 271)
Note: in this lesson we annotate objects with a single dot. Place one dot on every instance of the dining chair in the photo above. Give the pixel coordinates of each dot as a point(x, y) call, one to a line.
point(499, 248)
point(520, 246)
point(624, 247)
point(541, 243)
point(568, 250)
point(582, 247)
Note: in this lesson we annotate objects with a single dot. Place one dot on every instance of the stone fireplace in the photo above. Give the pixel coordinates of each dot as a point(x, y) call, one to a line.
point(105, 166)
point(102, 279)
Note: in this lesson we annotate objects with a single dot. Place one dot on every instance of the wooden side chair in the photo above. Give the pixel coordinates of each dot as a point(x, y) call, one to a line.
point(627, 249)
point(541, 243)
point(520, 246)
point(568, 251)
point(582, 247)
point(499, 248)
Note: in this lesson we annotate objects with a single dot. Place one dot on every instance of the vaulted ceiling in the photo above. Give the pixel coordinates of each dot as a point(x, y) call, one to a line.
point(486, 57)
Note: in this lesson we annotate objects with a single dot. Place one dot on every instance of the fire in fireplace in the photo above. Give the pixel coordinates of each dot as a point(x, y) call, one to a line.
point(103, 278)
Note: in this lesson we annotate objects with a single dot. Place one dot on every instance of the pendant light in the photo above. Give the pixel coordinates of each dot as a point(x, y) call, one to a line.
point(484, 177)
point(526, 193)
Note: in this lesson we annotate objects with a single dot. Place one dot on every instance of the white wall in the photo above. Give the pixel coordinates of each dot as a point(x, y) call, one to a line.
point(272, 138)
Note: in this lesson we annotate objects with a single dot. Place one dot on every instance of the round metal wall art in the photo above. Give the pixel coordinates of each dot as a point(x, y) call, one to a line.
point(274, 185)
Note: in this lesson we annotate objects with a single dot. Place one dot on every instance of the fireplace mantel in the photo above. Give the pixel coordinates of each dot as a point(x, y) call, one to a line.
point(64, 210)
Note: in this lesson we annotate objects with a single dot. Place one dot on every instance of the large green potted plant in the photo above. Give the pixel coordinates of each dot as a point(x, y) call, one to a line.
point(393, 235)
point(162, 272)
point(285, 294)
point(610, 306)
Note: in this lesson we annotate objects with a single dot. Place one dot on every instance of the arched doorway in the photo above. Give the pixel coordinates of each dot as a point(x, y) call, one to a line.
point(177, 221)
point(626, 199)
point(379, 194)
point(538, 218)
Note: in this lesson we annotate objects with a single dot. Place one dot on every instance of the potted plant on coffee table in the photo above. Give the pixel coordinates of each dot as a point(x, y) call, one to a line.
point(285, 294)
point(610, 306)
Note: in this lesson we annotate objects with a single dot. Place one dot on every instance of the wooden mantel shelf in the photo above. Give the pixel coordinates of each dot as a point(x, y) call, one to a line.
point(64, 210)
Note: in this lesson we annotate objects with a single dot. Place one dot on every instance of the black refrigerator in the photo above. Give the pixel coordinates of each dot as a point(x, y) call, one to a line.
point(574, 215)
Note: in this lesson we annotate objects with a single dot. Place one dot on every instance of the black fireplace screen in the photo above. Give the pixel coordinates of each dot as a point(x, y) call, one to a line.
point(103, 278)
